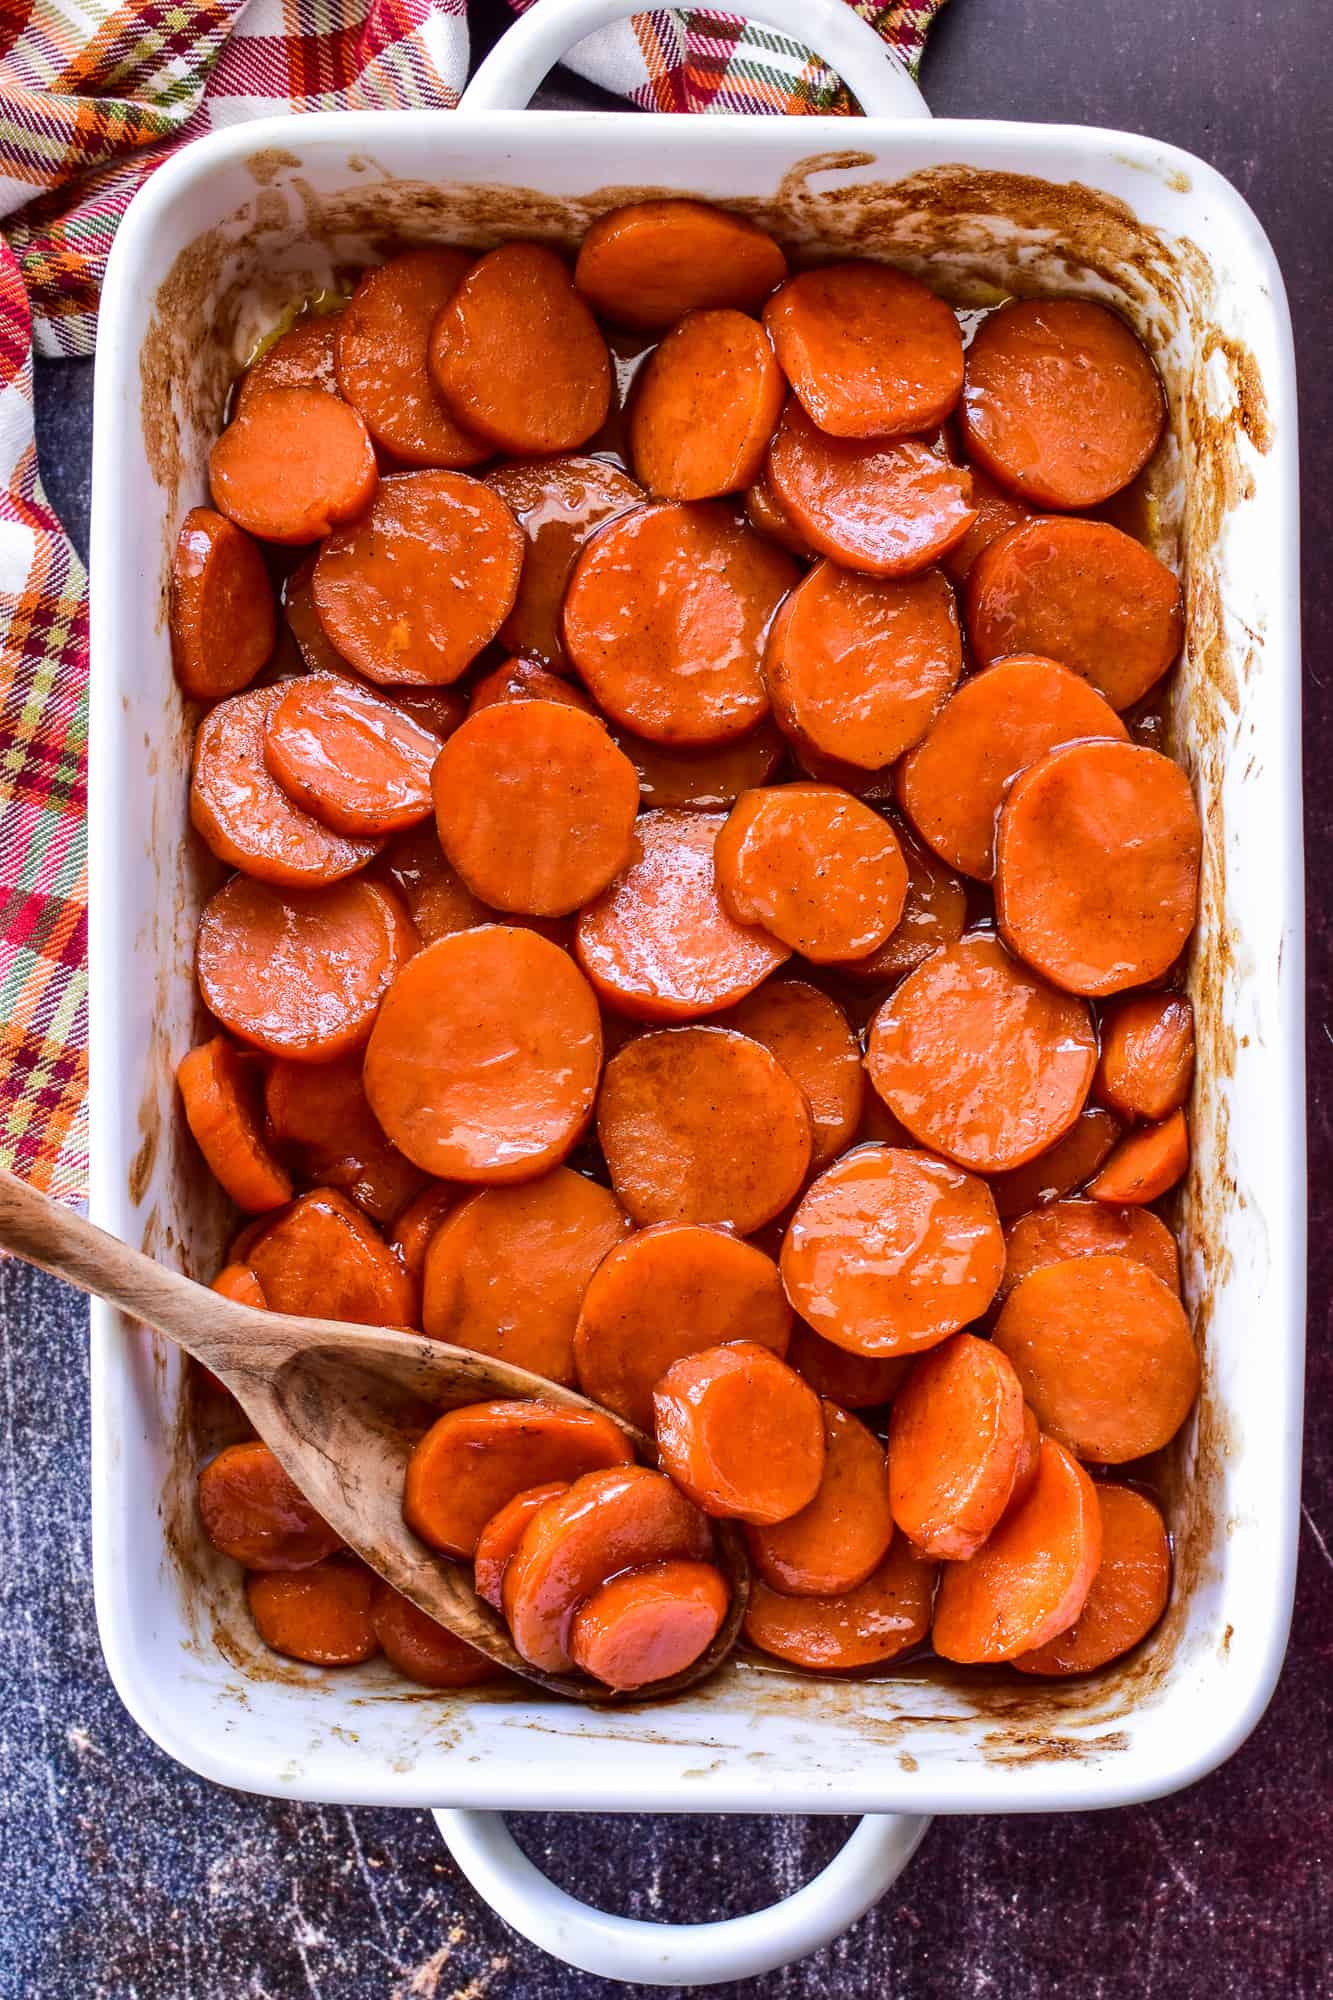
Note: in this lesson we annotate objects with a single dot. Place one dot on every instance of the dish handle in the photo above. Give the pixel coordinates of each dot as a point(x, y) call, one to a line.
point(874, 73)
point(650, 1954)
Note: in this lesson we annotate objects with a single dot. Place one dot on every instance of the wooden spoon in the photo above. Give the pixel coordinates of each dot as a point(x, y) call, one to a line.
point(341, 1407)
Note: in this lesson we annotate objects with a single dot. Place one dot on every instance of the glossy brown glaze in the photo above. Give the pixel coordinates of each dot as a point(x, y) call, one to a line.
point(558, 503)
point(702, 778)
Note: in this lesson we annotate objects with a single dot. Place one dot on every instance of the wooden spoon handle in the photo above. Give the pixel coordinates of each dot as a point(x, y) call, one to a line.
point(59, 1240)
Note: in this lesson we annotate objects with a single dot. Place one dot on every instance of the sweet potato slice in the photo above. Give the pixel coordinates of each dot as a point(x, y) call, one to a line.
point(665, 1292)
point(666, 616)
point(421, 1649)
point(473, 1460)
point(648, 1623)
point(517, 356)
point(891, 1250)
point(1105, 1356)
point(1128, 1594)
point(501, 1536)
point(870, 351)
point(222, 1111)
point(648, 263)
point(979, 1058)
point(814, 867)
point(483, 1061)
point(535, 806)
point(1062, 402)
point(292, 465)
point(301, 973)
point(380, 345)
point(857, 666)
point(878, 1620)
point(506, 1271)
point(702, 1125)
point(1097, 866)
point(255, 1513)
point(1082, 593)
point(606, 1523)
point(843, 1533)
point(321, 1615)
point(324, 1260)
point(223, 622)
point(1032, 1578)
point(415, 588)
point(659, 943)
point(740, 1433)
point(887, 506)
point(704, 408)
point(956, 1444)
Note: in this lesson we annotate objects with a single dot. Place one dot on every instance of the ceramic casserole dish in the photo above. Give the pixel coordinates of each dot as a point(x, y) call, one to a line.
point(224, 237)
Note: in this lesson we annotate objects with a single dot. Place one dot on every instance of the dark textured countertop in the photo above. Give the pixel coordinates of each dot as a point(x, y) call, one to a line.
point(122, 1877)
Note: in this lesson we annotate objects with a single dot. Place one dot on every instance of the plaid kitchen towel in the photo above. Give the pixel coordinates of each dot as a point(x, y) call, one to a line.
point(93, 95)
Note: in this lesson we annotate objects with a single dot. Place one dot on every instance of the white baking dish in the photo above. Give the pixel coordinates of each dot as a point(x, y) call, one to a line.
point(218, 241)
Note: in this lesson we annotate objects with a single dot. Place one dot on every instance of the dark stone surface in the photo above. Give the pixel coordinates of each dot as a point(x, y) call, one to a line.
point(124, 1878)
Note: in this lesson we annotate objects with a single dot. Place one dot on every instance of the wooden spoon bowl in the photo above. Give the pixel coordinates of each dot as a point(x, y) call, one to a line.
point(341, 1408)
